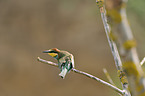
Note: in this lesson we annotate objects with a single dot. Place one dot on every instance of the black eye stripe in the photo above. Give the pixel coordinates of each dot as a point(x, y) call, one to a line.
point(52, 51)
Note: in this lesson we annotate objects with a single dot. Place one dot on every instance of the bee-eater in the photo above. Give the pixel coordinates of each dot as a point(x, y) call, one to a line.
point(64, 58)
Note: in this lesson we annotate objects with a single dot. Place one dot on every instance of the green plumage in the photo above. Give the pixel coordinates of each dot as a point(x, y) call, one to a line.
point(64, 58)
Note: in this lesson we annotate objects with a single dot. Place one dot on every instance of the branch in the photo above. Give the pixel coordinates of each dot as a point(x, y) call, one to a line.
point(86, 74)
point(116, 12)
point(108, 31)
point(143, 61)
point(112, 44)
point(108, 76)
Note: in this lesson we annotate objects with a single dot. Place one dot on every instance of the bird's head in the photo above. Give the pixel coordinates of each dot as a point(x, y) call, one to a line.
point(53, 52)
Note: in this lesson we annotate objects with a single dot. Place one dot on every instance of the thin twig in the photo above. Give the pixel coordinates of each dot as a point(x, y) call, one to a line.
point(86, 74)
point(108, 76)
point(143, 61)
point(112, 44)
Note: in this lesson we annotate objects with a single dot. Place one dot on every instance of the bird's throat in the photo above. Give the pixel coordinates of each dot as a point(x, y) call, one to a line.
point(53, 54)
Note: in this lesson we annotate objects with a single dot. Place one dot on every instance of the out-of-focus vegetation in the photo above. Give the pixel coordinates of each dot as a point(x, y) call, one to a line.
point(137, 7)
point(136, 14)
point(27, 27)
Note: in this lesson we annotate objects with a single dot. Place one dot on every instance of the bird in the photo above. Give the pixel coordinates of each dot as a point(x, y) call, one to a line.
point(64, 58)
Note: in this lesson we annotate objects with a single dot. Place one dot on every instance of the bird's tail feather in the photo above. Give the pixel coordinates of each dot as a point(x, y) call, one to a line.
point(63, 73)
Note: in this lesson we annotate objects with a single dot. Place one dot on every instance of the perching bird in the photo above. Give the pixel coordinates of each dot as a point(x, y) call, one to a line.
point(64, 58)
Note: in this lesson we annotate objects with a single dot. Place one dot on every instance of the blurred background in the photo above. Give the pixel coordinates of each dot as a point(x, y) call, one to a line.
point(27, 27)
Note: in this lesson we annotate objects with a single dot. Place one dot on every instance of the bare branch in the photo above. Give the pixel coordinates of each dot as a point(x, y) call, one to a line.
point(108, 76)
point(143, 61)
point(112, 44)
point(86, 74)
point(116, 12)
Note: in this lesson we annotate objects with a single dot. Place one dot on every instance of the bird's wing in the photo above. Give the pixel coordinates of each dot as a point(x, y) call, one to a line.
point(72, 59)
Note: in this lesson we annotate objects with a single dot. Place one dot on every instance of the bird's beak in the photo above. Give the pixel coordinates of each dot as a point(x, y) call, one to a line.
point(46, 51)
